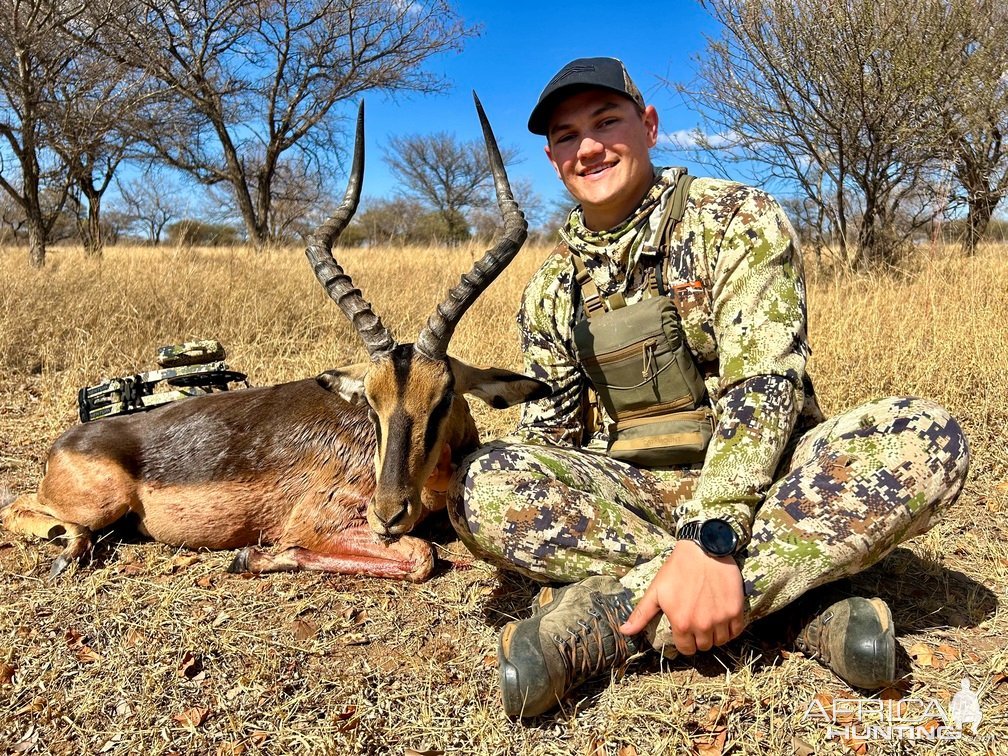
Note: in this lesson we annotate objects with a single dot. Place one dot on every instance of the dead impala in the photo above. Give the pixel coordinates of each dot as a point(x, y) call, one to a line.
point(296, 464)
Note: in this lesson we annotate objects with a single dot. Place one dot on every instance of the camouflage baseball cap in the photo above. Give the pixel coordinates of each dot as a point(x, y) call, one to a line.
point(578, 75)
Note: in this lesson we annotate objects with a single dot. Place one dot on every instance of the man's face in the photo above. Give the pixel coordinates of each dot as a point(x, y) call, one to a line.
point(598, 143)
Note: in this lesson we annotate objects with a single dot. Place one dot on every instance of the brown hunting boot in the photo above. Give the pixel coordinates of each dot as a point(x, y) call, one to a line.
point(571, 637)
point(855, 639)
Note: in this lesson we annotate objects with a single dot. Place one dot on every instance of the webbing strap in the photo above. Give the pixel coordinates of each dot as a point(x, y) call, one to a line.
point(675, 210)
point(591, 298)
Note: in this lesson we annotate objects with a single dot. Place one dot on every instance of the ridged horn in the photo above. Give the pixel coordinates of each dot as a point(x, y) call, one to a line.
point(338, 284)
point(433, 339)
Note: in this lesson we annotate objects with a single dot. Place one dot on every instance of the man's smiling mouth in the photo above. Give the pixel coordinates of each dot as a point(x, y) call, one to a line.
point(596, 169)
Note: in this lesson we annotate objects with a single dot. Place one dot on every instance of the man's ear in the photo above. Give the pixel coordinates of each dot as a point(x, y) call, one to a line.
point(347, 381)
point(650, 118)
point(497, 387)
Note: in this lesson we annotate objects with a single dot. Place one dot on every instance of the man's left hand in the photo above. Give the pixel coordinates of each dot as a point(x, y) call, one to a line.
point(701, 595)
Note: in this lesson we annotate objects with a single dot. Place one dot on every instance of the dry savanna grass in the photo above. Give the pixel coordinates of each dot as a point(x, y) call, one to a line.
point(157, 650)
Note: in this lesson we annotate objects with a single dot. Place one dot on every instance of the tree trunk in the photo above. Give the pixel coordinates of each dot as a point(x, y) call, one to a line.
point(94, 241)
point(36, 243)
point(981, 210)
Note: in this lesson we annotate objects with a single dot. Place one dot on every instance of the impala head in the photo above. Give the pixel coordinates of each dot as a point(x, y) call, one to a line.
point(414, 391)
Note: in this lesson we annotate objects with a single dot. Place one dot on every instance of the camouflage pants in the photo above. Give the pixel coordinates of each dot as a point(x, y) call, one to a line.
point(854, 487)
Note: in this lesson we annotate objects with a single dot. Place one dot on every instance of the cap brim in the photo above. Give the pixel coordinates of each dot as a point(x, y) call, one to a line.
point(538, 122)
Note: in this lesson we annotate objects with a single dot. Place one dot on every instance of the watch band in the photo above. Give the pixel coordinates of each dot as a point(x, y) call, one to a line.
point(689, 531)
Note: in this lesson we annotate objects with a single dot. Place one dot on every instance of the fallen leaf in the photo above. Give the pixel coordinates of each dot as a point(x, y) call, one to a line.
point(949, 652)
point(922, 654)
point(802, 747)
point(131, 568)
point(1002, 486)
point(303, 630)
point(38, 704)
point(27, 742)
point(857, 746)
point(205, 582)
point(134, 637)
point(713, 715)
point(193, 717)
point(259, 737)
point(181, 561)
point(825, 700)
point(220, 619)
point(84, 653)
point(357, 616)
point(7, 672)
point(490, 660)
point(627, 750)
point(413, 752)
point(931, 726)
point(713, 746)
point(190, 666)
point(356, 639)
point(347, 719)
point(596, 748)
point(999, 678)
point(231, 748)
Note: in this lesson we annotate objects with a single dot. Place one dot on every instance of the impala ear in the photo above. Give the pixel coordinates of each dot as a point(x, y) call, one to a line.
point(497, 387)
point(347, 381)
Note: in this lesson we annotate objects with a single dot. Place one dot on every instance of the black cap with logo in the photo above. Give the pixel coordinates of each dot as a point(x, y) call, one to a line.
point(578, 75)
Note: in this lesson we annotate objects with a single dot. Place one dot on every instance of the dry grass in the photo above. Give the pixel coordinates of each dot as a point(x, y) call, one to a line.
point(152, 651)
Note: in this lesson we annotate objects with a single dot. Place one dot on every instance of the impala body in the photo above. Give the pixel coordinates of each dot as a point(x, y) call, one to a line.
point(334, 470)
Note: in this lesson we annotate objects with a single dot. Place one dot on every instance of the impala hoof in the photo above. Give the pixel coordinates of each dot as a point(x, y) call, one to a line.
point(240, 563)
point(59, 566)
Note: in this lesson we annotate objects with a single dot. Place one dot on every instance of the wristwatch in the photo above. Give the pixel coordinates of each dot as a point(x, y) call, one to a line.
point(716, 537)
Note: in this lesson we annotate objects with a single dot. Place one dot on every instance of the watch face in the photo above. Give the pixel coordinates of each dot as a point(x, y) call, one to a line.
point(717, 537)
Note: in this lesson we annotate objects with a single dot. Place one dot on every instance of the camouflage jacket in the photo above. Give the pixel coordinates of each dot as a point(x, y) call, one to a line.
point(734, 272)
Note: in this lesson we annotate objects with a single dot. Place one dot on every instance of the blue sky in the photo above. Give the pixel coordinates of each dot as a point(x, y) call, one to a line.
point(520, 46)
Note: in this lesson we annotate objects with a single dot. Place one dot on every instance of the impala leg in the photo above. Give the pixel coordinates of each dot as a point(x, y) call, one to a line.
point(27, 516)
point(354, 552)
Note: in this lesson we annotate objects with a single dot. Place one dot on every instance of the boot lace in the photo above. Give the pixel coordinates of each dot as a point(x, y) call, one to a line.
point(595, 644)
point(811, 641)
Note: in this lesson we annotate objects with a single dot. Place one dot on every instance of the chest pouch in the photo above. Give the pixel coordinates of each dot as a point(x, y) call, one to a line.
point(644, 374)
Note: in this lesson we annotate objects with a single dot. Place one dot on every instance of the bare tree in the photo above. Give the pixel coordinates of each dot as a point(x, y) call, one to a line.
point(837, 99)
point(977, 114)
point(447, 174)
point(92, 121)
point(255, 83)
point(35, 56)
point(151, 201)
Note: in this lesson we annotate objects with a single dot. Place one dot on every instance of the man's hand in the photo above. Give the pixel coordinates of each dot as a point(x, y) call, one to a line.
point(701, 595)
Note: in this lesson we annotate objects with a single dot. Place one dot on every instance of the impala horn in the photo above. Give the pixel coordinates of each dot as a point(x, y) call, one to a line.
point(433, 339)
point(338, 284)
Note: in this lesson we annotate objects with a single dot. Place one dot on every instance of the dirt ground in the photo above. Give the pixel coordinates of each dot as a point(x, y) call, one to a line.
point(157, 650)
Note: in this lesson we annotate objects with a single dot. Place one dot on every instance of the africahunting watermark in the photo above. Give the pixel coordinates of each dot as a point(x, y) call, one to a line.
point(903, 719)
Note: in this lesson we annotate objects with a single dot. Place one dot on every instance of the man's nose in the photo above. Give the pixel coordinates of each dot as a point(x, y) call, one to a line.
point(589, 147)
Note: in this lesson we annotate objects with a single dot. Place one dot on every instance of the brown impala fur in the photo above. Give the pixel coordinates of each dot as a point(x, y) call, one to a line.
point(295, 465)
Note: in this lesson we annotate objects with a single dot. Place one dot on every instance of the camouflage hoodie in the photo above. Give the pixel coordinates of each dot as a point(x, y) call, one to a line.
point(734, 272)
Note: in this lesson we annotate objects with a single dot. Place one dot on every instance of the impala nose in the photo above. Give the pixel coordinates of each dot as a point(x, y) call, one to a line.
point(389, 522)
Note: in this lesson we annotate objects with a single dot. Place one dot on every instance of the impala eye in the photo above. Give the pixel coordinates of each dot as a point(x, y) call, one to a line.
point(434, 421)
